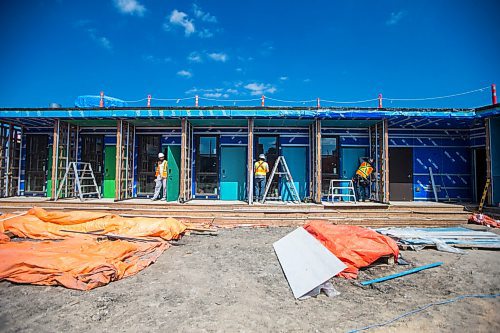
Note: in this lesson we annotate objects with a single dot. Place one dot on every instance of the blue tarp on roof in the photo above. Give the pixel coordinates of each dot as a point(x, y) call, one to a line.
point(88, 101)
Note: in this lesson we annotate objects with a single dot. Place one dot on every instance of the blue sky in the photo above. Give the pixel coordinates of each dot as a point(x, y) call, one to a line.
point(54, 51)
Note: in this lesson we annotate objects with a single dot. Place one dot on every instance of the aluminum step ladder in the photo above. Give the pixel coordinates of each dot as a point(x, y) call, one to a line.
point(290, 185)
point(76, 182)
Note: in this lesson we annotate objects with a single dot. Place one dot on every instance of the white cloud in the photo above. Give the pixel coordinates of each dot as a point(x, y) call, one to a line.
point(181, 19)
point(194, 57)
point(205, 17)
point(260, 88)
point(222, 57)
point(239, 69)
point(307, 80)
point(184, 73)
point(132, 7)
point(156, 60)
point(232, 91)
point(284, 78)
point(101, 40)
point(395, 17)
point(205, 33)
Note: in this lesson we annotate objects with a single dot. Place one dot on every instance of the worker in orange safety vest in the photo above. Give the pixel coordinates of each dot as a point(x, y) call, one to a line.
point(161, 177)
point(362, 178)
point(260, 169)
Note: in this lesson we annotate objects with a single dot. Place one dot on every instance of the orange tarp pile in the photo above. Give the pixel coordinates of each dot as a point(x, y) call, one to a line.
point(40, 224)
point(79, 261)
point(356, 247)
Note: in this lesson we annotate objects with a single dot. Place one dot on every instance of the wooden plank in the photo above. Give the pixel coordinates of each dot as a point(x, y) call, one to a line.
point(183, 174)
point(488, 159)
point(386, 161)
point(118, 160)
point(250, 161)
point(305, 261)
point(55, 156)
point(318, 175)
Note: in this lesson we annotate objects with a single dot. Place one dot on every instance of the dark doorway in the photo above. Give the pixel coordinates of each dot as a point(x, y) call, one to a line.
point(269, 146)
point(480, 174)
point(401, 174)
point(148, 147)
point(93, 153)
point(207, 167)
point(329, 161)
point(36, 162)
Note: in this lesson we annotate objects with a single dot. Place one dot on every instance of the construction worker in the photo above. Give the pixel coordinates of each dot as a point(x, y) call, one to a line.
point(161, 177)
point(260, 169)
point(361, 179)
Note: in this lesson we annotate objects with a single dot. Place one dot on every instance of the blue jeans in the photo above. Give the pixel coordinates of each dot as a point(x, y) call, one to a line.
point(361, 186)
point(259, 187)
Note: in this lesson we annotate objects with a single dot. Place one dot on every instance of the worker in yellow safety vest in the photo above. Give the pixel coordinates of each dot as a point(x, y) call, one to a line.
point(161, 177)
point(362, 178)
point(260, 169)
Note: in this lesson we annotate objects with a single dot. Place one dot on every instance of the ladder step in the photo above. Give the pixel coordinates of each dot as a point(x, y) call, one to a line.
point(90, 193)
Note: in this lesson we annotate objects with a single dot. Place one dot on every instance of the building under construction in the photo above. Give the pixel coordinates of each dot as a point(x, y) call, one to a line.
point(420, 154)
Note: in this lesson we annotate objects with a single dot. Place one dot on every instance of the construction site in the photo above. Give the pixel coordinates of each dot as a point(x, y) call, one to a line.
point(79, 228)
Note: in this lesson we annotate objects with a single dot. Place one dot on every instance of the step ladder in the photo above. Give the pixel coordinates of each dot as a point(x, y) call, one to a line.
point(483, 198)
point(78, 181)
point(289, 184)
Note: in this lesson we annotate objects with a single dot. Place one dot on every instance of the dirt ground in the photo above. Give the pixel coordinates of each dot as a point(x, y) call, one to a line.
point(233, 283)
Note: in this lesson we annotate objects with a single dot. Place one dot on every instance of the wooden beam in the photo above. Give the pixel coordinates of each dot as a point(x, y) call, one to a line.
point(318, 175)
point(386, 161)
point(118, 170)
point(183, 175)
point(488, 160)
point(250, 161)
point(55, 155)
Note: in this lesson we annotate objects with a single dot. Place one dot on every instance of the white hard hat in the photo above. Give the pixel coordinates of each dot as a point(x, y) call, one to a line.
point(160, 155)
point(262, 156)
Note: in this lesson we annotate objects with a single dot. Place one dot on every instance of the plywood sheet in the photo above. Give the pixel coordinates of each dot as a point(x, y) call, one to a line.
point(305, 261)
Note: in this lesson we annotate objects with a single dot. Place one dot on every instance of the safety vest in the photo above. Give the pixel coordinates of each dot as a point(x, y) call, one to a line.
point(161, 169)
point(365, 170)
point(261, 168)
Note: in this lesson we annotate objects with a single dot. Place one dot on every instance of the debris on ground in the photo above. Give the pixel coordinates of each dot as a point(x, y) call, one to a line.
point(357, 247)
point(403, 273)
point(483, 219)
point(444, 239)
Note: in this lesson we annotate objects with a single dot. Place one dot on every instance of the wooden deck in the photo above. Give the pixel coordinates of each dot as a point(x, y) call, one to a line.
point(231, 213)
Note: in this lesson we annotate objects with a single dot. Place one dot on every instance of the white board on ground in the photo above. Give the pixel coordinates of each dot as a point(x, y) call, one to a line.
point(305, 261)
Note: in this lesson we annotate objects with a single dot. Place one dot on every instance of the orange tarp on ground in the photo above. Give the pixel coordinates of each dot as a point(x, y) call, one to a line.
point(79, 261)
point(40, 224)
point(357, 247)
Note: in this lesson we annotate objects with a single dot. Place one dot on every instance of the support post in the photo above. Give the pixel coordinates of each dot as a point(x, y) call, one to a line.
point(183, 175)
point(196, 99)
point(319, 179)
point(263, 101)
point(385, 160)
point(250, 161)
point(118, 180)
point(380, 101)
point(149, 101)
point(488, 160)
point(318, 104)
point(55, 162)
point(494, 94)
point(101, 101)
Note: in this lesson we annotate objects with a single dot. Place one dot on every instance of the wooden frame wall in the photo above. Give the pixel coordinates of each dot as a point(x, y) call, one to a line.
point(250, 161)
point(10, 159)
point(186, 172)
point(64, 150)
point(125, 152)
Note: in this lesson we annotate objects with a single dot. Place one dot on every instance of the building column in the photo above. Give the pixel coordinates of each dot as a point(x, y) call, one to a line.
point(250, 161)
point(318, 179)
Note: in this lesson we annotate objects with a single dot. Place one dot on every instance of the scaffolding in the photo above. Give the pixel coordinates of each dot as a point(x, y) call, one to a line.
point(64, 151)
point(125, 151)
point(10, 159)
point(379, 150)
point(186, 161)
